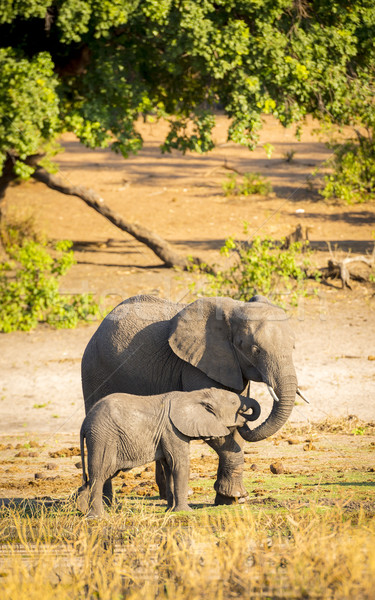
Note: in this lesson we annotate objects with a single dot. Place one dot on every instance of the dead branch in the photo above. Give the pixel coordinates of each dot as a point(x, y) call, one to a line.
point(339, 269)
point(152, 240)
point(221, 167)
point(226, 166)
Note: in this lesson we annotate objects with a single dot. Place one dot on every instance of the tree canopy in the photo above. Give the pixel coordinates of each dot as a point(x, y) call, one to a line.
point(93, 67)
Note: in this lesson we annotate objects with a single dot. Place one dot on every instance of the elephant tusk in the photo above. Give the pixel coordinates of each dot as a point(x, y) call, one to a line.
point(302, 396)
point(273, 394)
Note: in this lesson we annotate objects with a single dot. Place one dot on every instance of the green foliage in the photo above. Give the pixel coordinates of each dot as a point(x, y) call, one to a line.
point(93, 67)
point(252, 183)
point(268, 148)
point(261, 267)
point(28, 105)
point(29, 288)
point(190, 134)
point(353, 172)
point(229, 186)
point(359, 430)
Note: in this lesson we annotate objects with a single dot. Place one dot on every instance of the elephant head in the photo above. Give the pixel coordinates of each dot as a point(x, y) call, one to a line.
point(210, 412)
point(233, 342)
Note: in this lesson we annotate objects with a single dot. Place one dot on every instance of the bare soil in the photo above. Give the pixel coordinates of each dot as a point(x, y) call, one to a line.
point(323, 468)
point(181, 198)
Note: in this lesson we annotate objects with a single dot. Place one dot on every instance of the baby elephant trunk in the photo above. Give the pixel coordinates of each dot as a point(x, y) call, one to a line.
point(250, 408)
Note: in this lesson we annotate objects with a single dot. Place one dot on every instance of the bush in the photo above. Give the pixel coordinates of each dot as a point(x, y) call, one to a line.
point(29, 287)
point(353, 176)
point(261, 267)
point(252, 183)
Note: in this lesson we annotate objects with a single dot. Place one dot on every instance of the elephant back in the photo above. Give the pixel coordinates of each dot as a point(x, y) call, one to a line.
point(119, 354)
point(144, 308)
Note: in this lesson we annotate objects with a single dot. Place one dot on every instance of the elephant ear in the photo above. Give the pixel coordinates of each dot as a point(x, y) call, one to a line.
point(194, 416)
point(201, 335)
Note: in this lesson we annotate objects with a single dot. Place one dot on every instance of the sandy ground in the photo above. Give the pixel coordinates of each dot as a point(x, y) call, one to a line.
point(41, 390)
point(181, 199)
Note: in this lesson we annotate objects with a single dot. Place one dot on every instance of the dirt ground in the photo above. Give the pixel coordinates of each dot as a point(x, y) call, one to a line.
point(181, 198)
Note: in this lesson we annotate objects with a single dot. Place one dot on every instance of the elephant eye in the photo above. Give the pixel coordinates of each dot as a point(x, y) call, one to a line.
point(255, 349)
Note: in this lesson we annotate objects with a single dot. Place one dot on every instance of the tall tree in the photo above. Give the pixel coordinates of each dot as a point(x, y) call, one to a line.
point(93, 68)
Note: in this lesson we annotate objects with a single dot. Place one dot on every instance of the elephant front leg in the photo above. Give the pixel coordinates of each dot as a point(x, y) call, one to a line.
point(229, 485)
point(180, 476)
point(177, 468)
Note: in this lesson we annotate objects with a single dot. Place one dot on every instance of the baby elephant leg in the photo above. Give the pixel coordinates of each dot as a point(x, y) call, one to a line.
point(179, 465)
point(160, 476)
point(168, 483)
point(108, 493)
point(180, 475)
point(83, 497)
point(101, 469)
point(96, 508)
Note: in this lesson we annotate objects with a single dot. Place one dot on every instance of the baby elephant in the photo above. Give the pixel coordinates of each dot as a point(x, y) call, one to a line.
point(124, 431)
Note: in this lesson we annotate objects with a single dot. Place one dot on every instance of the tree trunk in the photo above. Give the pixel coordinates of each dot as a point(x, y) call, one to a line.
point(152, 240)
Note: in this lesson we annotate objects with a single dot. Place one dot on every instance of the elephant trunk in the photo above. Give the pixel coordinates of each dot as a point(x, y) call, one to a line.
point(250, 404)
point(285, 392)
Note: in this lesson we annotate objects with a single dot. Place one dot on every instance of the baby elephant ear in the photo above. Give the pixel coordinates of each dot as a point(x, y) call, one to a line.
point(194, 415)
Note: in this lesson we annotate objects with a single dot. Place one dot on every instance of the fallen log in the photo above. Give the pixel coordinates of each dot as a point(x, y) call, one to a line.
point(152, 240)
point(339, 269)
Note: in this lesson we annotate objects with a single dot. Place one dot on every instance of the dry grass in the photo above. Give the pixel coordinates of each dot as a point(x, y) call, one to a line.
point(306, 533)
point(235, 552)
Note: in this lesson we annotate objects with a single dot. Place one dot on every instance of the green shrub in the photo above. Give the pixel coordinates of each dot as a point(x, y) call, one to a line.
point(261, 267)
point(230, 185)
point(353, 172)
point(252, 183)
point(29, 287)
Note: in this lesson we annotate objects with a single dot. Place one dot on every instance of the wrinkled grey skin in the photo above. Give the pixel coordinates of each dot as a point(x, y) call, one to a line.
point(147, 345)
point(123, 431)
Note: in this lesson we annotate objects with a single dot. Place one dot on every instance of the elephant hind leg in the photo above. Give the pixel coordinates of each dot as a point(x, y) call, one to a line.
point(168, 483)
point(96, 507)
point(101, 469)
point(108, 492)
point(83, 497)
point(90, 498)
point(161, 478)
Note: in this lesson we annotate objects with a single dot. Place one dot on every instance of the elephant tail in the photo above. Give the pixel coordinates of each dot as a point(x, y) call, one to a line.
point(82, 442)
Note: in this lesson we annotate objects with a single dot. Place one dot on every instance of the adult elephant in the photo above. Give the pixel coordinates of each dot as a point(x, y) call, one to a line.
point(147, 345)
